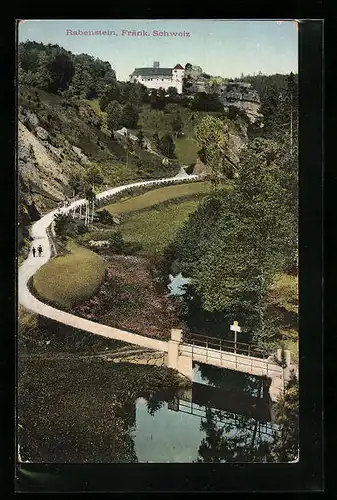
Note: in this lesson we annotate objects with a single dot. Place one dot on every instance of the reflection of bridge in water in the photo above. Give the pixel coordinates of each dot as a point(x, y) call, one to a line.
point(264, 428)
point(233, 407)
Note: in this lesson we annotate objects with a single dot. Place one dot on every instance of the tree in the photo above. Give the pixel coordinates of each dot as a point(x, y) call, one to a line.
point(157, 99)
point(141, 138)
point(212, 135)
point(94, 175)
point(206, 102)
point(252, 241)
point(111, 94)
point(238, 239)
point(286, 447)
point(138, 94)
point(177, 124)
point(156, 140)
point(292, 97)
point(116, 242)
point(56, 70)
point(114, 115)
point(43, 73)
point(130, 116)
point(64, 225)
point(62, 71)
point(82, 83)
point(76, 181)
point(167, 146)
point(172, 92)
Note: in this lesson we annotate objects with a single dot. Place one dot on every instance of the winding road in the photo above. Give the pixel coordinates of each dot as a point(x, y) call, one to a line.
point(32, 264)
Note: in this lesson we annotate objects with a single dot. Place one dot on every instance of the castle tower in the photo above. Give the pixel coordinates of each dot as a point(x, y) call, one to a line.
point(177, 77)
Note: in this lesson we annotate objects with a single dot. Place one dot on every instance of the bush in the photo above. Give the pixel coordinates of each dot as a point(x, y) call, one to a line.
point(81, 228)
point(104, 217)
point(65, 226)
point(116, 242)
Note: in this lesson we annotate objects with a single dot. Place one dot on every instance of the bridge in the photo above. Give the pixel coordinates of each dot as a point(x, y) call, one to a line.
point(225, 354)
point(179, 355)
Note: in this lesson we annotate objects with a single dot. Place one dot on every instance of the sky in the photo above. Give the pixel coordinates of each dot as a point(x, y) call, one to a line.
point(221, 48)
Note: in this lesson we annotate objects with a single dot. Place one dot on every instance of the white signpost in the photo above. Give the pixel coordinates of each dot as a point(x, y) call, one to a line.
point(235, 328)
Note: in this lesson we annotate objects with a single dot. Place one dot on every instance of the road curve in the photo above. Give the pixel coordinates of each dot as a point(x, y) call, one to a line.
point(32, 264)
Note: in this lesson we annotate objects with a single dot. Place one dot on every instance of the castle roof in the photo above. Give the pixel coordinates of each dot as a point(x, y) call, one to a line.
point(152, 72)
point(178, 66)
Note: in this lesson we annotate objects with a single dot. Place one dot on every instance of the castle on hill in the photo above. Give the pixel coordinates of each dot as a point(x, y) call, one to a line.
point(156, 77)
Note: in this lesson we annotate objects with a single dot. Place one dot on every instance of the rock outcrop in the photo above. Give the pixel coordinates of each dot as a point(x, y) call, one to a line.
point(42, 179)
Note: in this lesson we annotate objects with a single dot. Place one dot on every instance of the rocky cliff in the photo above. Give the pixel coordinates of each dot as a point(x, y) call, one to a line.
point(238, 138)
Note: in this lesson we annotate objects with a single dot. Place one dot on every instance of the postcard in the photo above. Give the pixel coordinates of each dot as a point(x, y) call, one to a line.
point(158, 241)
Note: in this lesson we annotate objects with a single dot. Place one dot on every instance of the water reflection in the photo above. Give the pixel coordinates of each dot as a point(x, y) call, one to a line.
point(177, 284)
point(203, 424)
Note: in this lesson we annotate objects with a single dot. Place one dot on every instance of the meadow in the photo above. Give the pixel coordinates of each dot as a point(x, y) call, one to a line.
point(156, 196)
point(155, 229)
point(69, 279)
point(186, 150)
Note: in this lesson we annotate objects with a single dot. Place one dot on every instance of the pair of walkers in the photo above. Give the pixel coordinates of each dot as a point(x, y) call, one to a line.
point(39, 249)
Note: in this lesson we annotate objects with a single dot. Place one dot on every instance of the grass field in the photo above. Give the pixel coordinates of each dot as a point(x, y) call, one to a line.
point(160, 121)
point(69, 279)
point(156, 196)
point(186, 150)
point(156, 228)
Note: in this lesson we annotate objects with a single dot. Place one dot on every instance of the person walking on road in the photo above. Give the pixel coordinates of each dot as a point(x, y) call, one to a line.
point(33, 251)
point(39, 249)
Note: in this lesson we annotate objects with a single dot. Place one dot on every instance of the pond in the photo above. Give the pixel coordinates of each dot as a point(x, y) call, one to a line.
point(204, 423)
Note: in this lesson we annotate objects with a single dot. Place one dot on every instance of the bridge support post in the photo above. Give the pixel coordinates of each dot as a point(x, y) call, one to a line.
point(287, 356)
point(181, 363)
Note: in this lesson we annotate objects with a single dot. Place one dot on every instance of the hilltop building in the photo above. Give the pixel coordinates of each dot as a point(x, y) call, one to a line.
point(156, 77)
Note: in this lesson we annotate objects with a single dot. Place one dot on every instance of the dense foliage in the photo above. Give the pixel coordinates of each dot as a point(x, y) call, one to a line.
point(206, 102)
point(54, 69)
point(238, 239)
point(279, 103)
